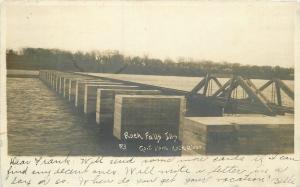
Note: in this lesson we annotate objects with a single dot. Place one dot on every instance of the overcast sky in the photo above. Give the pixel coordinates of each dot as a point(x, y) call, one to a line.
point(247, 33)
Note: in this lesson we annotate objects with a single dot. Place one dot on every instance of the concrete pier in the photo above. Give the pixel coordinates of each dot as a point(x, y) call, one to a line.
point(105, 105)
point(239, 135)
point(147, 114)
point(90, 94)
point(72, 87)
point(80, 88)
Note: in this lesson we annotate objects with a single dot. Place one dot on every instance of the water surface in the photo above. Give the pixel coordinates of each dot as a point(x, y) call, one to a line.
point(42, 123)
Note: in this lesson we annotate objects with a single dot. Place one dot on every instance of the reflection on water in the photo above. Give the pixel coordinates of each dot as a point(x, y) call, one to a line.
point(41, 123)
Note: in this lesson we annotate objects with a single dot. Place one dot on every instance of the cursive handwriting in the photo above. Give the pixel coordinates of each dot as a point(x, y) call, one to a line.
point(162, 171)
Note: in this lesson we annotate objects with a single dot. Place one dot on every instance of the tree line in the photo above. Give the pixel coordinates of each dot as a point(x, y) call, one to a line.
point(114, 62)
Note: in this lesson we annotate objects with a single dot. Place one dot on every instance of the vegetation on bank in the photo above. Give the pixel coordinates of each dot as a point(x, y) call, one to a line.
point(114, 62)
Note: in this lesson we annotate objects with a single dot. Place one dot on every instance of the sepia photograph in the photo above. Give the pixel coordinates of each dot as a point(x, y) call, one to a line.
point(150, 78)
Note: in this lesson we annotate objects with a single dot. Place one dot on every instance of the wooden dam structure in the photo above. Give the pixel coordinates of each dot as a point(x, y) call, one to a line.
point(206, 115)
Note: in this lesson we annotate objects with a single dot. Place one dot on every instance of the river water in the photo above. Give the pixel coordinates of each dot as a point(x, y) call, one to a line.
point(42, 123)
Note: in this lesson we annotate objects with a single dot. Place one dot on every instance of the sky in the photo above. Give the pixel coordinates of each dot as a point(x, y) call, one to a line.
point(253, 33)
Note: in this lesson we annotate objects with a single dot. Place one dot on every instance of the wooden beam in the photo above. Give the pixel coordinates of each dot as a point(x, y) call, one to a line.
point(285, 88)
point(256, 90)
point(197, 87)
point(263, 87)
point(278, 94)
point(253, 93)
point(217, 81)
point(206, 84)
point(222, 88)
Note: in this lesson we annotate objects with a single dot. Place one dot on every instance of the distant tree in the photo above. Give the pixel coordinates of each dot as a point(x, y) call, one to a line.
point(111, 61)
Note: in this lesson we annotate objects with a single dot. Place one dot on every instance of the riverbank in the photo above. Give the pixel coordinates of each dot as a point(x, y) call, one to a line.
point(15, 73)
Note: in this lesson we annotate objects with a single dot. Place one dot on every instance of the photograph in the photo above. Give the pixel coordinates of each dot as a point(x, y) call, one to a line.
point(150, 78)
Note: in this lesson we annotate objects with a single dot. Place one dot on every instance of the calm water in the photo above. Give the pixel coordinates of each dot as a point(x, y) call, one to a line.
point(41, 123)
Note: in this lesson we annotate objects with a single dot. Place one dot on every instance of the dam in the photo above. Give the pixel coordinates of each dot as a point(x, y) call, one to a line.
point(204, 115)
